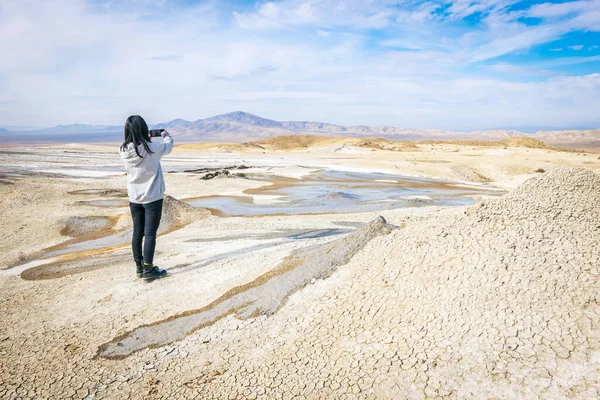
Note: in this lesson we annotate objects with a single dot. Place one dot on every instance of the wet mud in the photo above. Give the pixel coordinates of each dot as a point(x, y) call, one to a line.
point(62, 268)
point(329, 191)
point(263, 296)
point(79, 233)
point(176, 215)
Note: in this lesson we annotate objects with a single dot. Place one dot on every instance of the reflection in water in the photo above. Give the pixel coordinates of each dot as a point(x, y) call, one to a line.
point(339, 191)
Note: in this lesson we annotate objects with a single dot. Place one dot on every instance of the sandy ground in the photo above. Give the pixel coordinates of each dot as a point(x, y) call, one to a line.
point(497, 300)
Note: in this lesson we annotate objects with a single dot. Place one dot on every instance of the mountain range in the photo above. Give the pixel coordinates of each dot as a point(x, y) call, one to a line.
point(240, 126)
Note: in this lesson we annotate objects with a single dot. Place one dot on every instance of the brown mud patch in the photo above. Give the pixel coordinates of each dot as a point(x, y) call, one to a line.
point(105, 230)
point(59, 269)
point(176, 215)
point(71, 263)
point(78, 237)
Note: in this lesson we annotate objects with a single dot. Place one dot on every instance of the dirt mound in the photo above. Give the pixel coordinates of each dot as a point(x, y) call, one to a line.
point(291, 142)
point(339, 196)
point(511, 142)
point(77, 226)
point(295, 142)
point(384, 144)
point(466, 173)
point(219, 147)
point(499, 302)
point(559, 194)
point(524, 142)
point(176, 214)
point(505, 295)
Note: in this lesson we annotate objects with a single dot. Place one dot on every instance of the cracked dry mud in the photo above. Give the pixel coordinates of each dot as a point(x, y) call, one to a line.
point(498, 300)
point(263, 296)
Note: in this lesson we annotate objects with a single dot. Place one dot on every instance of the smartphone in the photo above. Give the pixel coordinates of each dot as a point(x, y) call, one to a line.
point(156, 132)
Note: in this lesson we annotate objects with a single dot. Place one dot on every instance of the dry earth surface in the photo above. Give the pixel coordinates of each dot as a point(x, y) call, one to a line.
point(495, 300)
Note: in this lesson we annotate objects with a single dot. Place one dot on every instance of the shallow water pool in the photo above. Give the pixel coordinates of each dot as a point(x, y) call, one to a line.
point(341, 192)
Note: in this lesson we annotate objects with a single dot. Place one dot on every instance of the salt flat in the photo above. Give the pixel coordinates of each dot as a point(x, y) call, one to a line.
point(495, 299)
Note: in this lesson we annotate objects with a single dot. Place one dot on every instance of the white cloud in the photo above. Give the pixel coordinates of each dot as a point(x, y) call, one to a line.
point(464, 8)
point(507, 68)
point(576, 47)
point(578, 14)
point(401, 44)
point(555, 10)
point(331, 13)
point(515, 37)
point(99, 62)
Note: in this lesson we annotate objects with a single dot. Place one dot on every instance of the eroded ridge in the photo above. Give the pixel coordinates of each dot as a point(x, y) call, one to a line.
point(263, 296)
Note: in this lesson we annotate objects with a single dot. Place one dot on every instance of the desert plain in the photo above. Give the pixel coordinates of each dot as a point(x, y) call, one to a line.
point(305, 267)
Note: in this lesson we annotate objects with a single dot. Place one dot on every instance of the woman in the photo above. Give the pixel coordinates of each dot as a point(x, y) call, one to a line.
point(146, 189)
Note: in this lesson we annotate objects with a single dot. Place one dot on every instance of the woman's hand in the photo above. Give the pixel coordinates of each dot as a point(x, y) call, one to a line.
point(164, 134)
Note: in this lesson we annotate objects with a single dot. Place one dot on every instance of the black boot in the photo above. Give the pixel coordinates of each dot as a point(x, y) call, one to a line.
point(152, 272)
point(139, 268)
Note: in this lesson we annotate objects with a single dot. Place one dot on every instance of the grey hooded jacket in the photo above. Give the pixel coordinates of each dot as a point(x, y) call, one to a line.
point(145, 182)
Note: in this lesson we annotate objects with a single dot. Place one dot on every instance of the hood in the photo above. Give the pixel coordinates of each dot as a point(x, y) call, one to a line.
point(130, 157)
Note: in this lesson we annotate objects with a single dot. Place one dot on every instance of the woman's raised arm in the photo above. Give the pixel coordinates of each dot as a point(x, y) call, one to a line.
point(167, 144)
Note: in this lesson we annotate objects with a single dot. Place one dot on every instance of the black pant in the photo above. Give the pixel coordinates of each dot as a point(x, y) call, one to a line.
point(146, 218)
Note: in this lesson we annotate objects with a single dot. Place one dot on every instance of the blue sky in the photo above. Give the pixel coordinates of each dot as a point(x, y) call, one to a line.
point(459, 65)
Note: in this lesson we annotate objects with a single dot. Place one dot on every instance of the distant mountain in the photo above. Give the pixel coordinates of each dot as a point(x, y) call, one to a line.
point(235, 126)
point(240, 126)
point(537, 128)
point(570, 138)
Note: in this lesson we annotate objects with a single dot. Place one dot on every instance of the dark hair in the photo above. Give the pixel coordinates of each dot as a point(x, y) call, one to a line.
point(136, 132)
